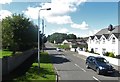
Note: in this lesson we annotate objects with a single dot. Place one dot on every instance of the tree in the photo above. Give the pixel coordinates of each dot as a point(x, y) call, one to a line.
point(18, 33)
point(71, 36)
point(58, 37)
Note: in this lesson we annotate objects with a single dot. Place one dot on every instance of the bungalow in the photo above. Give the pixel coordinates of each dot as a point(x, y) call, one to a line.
point(75, 43)
point(106, 40)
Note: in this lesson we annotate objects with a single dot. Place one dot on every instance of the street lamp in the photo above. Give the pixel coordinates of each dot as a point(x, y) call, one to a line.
point(39, 37)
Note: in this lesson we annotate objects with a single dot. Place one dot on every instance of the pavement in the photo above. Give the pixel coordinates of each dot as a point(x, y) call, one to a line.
point(70, 67)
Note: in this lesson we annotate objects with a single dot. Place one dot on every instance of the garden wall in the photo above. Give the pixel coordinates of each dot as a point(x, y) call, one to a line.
point(10, 63)
point(111, 60)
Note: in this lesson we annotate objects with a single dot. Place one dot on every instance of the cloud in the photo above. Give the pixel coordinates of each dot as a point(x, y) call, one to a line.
point(91, 33)
point(59, 19)
point(82, 26)
point(62, 7)
point(58, 13)
point(61, 30)
point(5, 1)
point(4, 13)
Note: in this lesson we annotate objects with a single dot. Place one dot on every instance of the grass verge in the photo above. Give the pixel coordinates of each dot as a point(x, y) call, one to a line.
point(47, 73)
point(5, 53)
point(65, 46)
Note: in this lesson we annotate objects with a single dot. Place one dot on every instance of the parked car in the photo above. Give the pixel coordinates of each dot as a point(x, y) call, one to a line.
point(58, 49)
point(99, 64)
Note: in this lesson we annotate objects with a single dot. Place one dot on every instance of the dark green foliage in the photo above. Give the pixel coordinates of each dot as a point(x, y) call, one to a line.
point(92, 50)
point(60, 37)
point(118, 56)
point(106, 54)
point(71, 36)
point(18, 33)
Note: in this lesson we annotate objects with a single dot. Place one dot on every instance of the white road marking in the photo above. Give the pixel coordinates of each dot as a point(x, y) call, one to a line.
point(80, 67)
point(63, 56)
point(58, 76)
point(96, 79)
point(78, 56)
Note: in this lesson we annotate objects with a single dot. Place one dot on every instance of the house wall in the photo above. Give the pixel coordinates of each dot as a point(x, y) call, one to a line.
point(119, 47)
point(65, 41)
point(108, 45)
point(113, 47)
point(90, 44)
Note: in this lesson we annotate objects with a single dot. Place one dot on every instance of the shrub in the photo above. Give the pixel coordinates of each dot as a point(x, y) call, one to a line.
point(86, 50)
point(97, 53)
point(118, 56)
point(92, 50)
point(106, 54)
point(111, 55)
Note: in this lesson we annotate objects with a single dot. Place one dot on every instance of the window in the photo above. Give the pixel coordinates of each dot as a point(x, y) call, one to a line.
point(103, 40)
point(96, 41)
point(96, 49)
point(103, 51)
point(113, 40)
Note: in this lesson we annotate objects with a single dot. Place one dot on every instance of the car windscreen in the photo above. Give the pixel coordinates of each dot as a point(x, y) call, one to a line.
point(101, 60)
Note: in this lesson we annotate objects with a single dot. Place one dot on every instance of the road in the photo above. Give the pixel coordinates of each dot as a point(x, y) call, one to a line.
point(70, 66)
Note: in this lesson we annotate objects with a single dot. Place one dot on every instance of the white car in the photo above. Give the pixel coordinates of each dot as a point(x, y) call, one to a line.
point(58, 49)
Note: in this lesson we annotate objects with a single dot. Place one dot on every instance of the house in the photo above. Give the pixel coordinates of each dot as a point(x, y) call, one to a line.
point(75, 43)
point(57, 41)
point(105, 41)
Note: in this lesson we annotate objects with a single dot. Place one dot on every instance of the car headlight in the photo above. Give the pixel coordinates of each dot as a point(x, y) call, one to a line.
point(101, 67)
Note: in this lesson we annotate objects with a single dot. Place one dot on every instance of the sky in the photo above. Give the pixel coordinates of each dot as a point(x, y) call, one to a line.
point(81, 17)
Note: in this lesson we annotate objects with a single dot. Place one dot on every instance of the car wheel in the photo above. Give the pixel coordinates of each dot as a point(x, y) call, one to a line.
point(87, 66)
point(98, 71)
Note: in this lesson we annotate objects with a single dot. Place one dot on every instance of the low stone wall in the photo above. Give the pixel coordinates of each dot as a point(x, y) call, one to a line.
point(10, 63)
point(113, 61)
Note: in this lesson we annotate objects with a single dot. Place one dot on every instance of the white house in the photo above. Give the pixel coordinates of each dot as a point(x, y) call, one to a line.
point(105, 41)
point(75, 43)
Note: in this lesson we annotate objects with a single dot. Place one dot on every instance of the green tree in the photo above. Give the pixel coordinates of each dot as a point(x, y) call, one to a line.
point(71, 36)
point(18, 33)
point(58, 37)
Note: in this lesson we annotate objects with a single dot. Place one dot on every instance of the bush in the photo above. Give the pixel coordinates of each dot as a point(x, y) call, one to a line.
point(118, 56)
point(106, 54)
point(111, 55)
point(97, 53)
point(92, 50)
point(86, 50)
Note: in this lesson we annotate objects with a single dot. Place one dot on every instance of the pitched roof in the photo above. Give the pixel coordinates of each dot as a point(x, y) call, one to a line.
point(92, 37)
point(117, 35)
point(106, 31)
point(106, 35)
point(71, 40)
point(98, 36)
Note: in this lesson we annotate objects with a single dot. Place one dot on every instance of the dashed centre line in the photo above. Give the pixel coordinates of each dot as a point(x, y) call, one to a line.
point(80, 68)
point(96, 79)
point(78, 56)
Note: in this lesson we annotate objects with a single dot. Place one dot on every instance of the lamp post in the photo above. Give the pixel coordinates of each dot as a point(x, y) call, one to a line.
point(39, 37)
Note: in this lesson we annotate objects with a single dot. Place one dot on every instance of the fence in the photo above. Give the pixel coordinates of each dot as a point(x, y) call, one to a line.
point(10, 63)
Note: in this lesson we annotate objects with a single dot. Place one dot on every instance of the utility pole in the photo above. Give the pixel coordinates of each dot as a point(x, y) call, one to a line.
point(43, 24)
point(39, 37)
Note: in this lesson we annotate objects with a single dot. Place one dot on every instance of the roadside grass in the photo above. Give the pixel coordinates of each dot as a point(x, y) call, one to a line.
point(47, 73)
point(8, 53)
point(5, 53)
point(65, 46)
